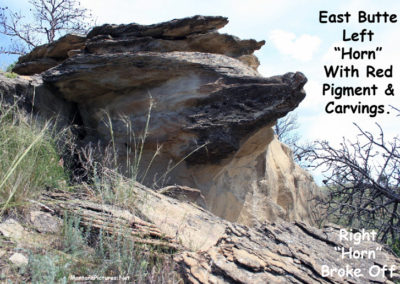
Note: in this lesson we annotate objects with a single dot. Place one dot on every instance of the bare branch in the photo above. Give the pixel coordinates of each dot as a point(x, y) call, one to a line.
point(396, 109)
point(53, 18)
point(363, 181)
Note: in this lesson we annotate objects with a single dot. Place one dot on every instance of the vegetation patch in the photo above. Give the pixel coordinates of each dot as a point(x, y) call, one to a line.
point(29, 161)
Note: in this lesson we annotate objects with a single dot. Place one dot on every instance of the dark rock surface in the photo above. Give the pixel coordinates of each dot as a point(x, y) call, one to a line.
point(228, 103)
point(196, 33)
point(177, 28)
point(209, 42)
point(29, 94)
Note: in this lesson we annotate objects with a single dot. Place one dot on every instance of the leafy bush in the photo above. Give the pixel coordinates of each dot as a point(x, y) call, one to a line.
point(11, 75)
point(42, 268)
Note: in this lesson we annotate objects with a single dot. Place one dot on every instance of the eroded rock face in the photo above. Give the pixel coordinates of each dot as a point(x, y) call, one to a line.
point(204, 109)
point(261, 183)
point(219, 251)
point(196, 33)
point(177, 28)
point(48, 55)
point(285, 253)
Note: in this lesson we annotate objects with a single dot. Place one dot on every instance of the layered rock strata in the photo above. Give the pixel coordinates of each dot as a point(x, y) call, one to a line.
point(49, 55)
point(204, 247)
point(209, 249)
point(197, 33)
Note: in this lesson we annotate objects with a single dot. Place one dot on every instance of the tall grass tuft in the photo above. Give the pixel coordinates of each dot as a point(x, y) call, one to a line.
point(29, 161)
point(112, 177)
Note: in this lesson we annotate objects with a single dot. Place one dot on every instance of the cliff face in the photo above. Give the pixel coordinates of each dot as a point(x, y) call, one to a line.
point(199, 100)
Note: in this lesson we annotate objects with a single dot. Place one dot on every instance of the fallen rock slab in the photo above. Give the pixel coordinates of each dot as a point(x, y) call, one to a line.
point(45, 222)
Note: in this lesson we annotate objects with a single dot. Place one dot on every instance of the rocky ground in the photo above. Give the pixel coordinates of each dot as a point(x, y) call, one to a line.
point(204, 248)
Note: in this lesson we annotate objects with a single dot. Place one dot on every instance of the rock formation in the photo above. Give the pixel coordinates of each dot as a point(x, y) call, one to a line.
point(31, 95)
point(211, 111)
point(218, 251)
point(207, 114)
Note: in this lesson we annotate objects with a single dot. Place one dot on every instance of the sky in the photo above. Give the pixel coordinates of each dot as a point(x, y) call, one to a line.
point(295, 41)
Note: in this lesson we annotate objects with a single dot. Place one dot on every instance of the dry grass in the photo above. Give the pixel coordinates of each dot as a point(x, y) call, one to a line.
point(29, 161)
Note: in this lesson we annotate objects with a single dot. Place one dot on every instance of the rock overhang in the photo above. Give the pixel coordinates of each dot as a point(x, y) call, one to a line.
point(225, 102)
point(211, 115)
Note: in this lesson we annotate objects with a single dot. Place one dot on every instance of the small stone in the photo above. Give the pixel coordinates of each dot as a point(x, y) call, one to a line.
point(19, 259)
point(2, 253)
point(45, 222)
point(11, 229)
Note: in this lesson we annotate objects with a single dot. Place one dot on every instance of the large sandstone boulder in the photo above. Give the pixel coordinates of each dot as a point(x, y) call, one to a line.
point(189, 34)
point(204, 109)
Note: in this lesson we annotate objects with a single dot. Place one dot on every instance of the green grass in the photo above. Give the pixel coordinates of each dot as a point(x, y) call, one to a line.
point(29, 161)
point(11, 75)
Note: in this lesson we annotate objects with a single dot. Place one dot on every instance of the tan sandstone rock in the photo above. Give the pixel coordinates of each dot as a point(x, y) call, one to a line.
point(49, 55)
point(45, 222)
point(210, 113)
point(10, 228)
